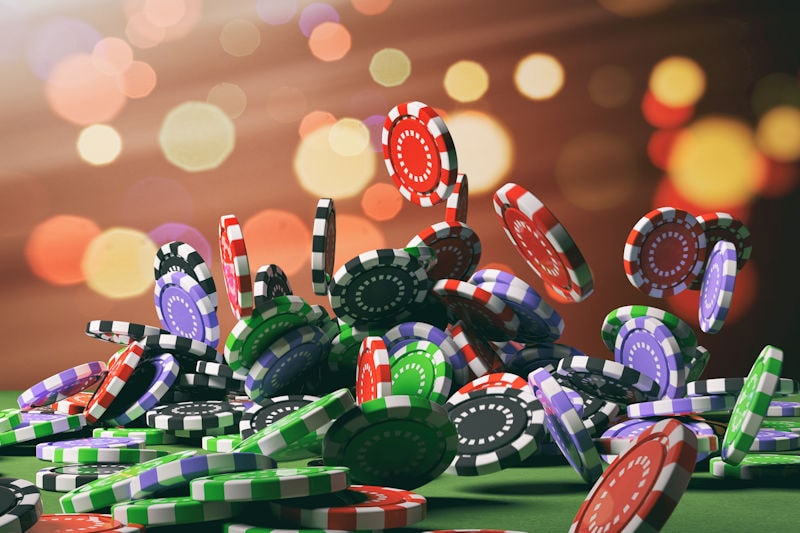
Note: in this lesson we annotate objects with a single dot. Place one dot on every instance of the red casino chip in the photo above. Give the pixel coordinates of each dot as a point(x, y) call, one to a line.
point(494, 379)
point(120, 370)
point(374, 370)
point(84, 523)
point(235, 266)
point(543, 242)
point(73, 405)
point(640, 489)
point(664, 252)
point(477, 308)
point(456, 208)
point(456, 246)
point(419, 153)
point(481, 359)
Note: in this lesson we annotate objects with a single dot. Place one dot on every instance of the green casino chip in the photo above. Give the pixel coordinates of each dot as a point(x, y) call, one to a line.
point(173, 511)
point(275, 484)
point(148, 435)
point(757, 466)
point(90, 456)
point(751, 405)
point(687, 340)
point(9, 419)
point(698, 364)
point(420, 368)
point(221, 443)
point(788, 424)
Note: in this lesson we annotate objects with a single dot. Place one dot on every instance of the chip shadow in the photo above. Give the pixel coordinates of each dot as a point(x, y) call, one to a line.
point(528, 487)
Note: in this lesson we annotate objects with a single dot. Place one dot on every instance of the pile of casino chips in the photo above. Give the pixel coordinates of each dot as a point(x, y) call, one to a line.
point(452, 368)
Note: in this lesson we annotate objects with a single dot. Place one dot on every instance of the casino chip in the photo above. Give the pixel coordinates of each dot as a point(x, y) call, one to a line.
point(419, 153)
point(761, 466)
point(378, 288)
point(148, 435)
point(323, 246)
point(543, 242)
point(173, 511)
point(272, 484)
point(457, 204)
point(643, 486)
point(193, 415)
point(119, 332)
point(285, 360)
point(409, 331)
point(20, 504)
point(177, 256)
point(418, 432)
point(664, 252)
point(495, 379)
point(698, 364)
point(773, 440)
point(681, 406)
point(687, 340)
point(539, 355)
point(716, 291)
point(733, 386)
point(751, 405)
point(783, 409)
point(538, 321)
point(607, 379)
point(85, 523)
point(419, 368)
point(617, 439)
point(480, 357)
point(146, 387)
point(252, 335)
point(374, 372)
point(185, 350)
point(181, 472)
point(184, 308)
point(220, 443)
point(37, 425)
point(235, 266)
point(9, 419)
point(477, 308)
point(270, 411)
point(89, 455)
point(72, 405)
point(62, 385)
point(357, 508)
point(457, 249)
point(69, 477)
point(498, 427)
point(648, 346)
point(270, 282)
point(723, 227)
point(46, 450)
point(565, 426)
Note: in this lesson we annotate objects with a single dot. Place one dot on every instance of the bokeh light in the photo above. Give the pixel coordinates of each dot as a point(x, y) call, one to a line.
point(390, 67)
point(197, 136)
point(56, 246)
point(330, 41)
point(778, 134)
point(56, 39)
point(374, 124)
point(277, 237)
point(286, 104)
point(314, 14)
point(229, 97)
point(150, 201)
point(778, 179)
point(371, 7)
point(677, 81)
point(663, 116)
point(597, 171)
point(539, 76)
point(773, 90)
point(466, 81)
point(715, 164)
point(151, 22)
point(315, 120)
point(635, 8)
point(659, 147)
point(240, 37)
point(484, 147)
point(14, 30)
point(665, 194)
point(174, 231)
point(349, 137)
point(325, 173)
point(276, 12)
point(118, 263)
point(164, 13)
point(610, 86)
point(99, 144)
point(381, 202)
point(355, 235)
point(141, 33)
point(112, 56)
point(138, 80)
point(79, 93)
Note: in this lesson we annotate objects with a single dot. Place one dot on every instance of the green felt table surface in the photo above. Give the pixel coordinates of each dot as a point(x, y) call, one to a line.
point(542, 496)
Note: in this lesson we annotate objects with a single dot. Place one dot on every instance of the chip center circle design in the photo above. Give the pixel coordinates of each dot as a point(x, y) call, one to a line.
point(669, 254)
point(534, 247)
point(414, 161)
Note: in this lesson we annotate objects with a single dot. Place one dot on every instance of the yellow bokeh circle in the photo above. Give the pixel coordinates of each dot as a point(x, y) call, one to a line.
point(677, 81)
point(99, 144)
point(348, 137)
point(539, 76)
point(390, 67)
point(484, 147)
point(778, 134)
point(197, 136)
point(466, 81)
point(118, 263)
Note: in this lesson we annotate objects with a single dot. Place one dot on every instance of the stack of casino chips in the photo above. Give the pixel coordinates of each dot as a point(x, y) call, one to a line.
point(456, 370)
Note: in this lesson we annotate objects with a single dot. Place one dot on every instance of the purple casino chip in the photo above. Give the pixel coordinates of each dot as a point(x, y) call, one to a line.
point(45, 450)
point(783, 409)
point(619, 437)
point(565, 426)
point(63, 385)
point(649, 346)
point(149, 384)
point(716, 292)
point(773, 440)
point(285, 360)
point(610, 380)
point(538, 321)
point(682, 406)
point(576, 399)
point(185, 309)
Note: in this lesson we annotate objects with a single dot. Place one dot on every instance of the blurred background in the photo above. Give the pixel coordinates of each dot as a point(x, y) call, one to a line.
point(124, 125)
